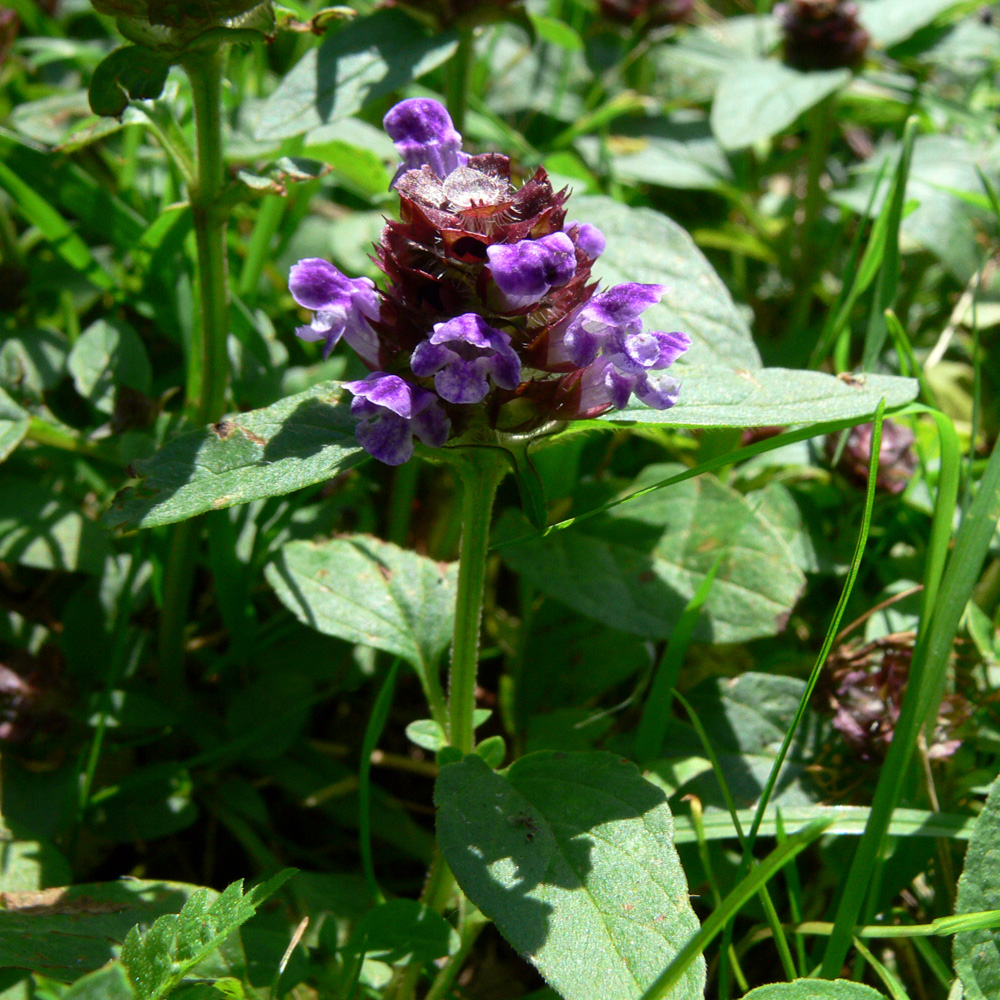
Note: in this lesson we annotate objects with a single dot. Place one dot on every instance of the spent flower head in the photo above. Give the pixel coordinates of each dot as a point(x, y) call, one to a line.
point(821, 34)
point(489, 322)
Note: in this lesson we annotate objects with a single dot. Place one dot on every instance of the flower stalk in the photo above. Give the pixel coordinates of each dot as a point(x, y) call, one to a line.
point(481, 473)
point(207, 366)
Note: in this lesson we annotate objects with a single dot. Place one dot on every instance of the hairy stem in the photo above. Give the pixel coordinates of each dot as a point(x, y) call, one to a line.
point(207, 367)
point(481, 474)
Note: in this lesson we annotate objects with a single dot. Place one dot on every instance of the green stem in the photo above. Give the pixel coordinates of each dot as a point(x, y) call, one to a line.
point(56, 437)
point(458, 78)
point(207, 364)
point(207, 370)
point(481, 474)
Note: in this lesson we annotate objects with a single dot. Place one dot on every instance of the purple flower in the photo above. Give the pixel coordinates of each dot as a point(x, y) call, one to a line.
point(342, 307)
point(602, 384)
point(611, 314)
point(461, 354)
point(607, 337)
point(526, 270)
point(588, 238)
point(390, 411)
point(422, 132)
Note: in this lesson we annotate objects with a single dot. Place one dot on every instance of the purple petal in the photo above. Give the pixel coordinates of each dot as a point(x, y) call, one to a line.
point(317, 284)
point(423, 133)
point(389, 411)
point(432, 426)
point(657, 390)
point(462, 382)
point(388, 391)
point(461, 353)
point(387, 437)
point(526, 270)
point(588, 238)
point(505, 368)
point(429, 358)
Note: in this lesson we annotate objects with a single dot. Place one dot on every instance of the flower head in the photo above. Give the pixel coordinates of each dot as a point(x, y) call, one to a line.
point(423, 133)
point(897, 460)
point(821, 34)
point(343, 307)
point(489, 321)
point(461, 354)
point(390, 411)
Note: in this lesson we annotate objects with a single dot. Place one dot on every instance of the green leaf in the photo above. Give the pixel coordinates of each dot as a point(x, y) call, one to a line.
point(572, 856)
point(41, 529)
point(758, 98)
point(159, 958)
point(815, 989)
point(403, 930)
point(677, 152)
point(107, 355)
point(977, 953)
point(14, 423)
point(109, 983)
point(636, 567)
point(372, 592)
point(131, 73)
point(29, 865)
point(32, 362)
point(65, 933)
point(298, 441)
point(362, 62)
point(717, 396)
point(890, 22)
point(66, 243)
point(644, 245)
point(551, 29)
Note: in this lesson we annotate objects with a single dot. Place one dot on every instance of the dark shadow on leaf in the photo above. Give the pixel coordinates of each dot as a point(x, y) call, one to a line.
point(507, 838)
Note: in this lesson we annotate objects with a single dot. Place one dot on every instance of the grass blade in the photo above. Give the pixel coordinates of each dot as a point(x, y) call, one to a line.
point(731, 905)
point(927, 678)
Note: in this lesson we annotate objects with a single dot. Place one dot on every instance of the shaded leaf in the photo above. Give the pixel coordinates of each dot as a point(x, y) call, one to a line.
point(65, 933)
point(109, 983)
point(403, 930)
point(372, 592)
point(131, 73)
point(977, 953)
point(671, 152)
point(636, 567)
point(572, 856)
point(759, 98)
point(109, 354)
point(29, 865)
point(14, 423)
point(362, 62)
point(46, 531)
point(298, 441)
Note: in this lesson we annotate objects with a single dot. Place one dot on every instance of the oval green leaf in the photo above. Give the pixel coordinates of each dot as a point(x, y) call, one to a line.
point(636, 567)
point(296, 442)
point(758, 98)
point(572, 856)
point(372, 592)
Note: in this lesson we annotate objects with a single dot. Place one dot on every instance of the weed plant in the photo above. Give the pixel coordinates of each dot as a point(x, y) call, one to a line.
point(513, 483)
